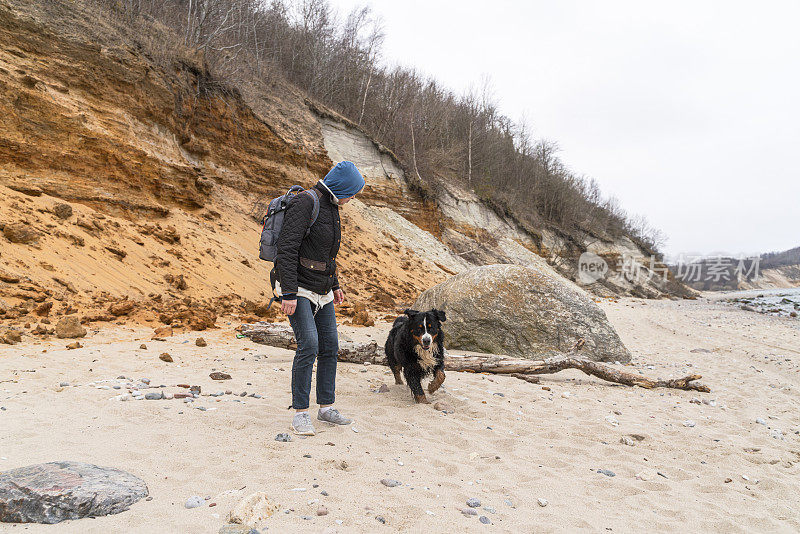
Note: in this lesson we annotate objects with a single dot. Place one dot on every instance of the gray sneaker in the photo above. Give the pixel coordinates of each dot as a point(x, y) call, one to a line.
point(301, 424)
point(333, 417)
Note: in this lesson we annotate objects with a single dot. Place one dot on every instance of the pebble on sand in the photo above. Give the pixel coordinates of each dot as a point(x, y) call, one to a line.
point(322, 511)
point(473, 502)
point(689, 423)
point(165, 357)
point(607, 472)
point(200, 342)
point(443, 407)
point(217, 375)
point(390, 482)
point(283, 436)
point(194, 501)
point(485, 520)
point(542, 502)
point(469, 511)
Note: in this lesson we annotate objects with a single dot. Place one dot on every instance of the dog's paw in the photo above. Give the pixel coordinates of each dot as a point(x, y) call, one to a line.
point(421, 399)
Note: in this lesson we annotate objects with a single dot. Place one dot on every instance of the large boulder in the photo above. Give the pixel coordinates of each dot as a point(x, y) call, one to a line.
point(523, 312)
point(70, 327)
point(53, 492)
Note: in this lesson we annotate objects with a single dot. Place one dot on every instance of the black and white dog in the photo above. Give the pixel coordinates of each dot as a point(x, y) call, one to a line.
point(416, 346)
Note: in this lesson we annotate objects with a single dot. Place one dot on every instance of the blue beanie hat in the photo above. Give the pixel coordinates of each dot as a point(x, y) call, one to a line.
point(344, 180)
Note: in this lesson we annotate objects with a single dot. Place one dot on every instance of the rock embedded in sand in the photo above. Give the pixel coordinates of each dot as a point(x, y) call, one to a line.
point(523, 312)
point(21, 233)
point(73, 346)
point(8, 277)
point(237, 529)
point(469, 511)
point(123, 307)
point(154, 396)
point(253, 509)
point(200, 342)
point(166, 357)
point(441, 406)
point(217, 375)
point(361, 315)
point(195, 501)
point(62, 210)
point(70, 327)
point(542, 502)
point(390, 482)
point(56, 491)
point(607, 472)
point(162, 332)
point(11, 336)
point(322, 511)
point(473, 502)
point(485, 520)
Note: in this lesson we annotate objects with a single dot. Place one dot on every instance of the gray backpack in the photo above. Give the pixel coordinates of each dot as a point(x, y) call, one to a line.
point(273, 221)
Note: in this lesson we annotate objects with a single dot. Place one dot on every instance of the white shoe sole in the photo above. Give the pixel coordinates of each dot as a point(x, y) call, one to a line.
point(306, 433)
point(332, 423)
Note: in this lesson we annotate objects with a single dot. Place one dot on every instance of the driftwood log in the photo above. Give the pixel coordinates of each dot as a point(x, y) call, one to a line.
point(278, 335)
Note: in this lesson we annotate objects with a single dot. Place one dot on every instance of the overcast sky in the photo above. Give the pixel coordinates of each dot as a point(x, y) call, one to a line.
point(687, 111)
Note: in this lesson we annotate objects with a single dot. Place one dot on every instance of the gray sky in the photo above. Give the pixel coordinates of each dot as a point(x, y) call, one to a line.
point(687, 111)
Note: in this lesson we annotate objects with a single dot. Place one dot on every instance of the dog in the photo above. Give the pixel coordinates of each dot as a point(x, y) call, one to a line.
point(415, 346)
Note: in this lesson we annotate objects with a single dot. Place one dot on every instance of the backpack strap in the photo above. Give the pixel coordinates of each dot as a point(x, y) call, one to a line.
point(315, 209)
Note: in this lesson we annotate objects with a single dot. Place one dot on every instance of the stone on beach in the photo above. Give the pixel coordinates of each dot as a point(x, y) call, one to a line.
point(441, 406)
point(195, 501)
point(56, 491)
point(216, 375)
point(523, 312)
point(70, 327)
point(253, 509)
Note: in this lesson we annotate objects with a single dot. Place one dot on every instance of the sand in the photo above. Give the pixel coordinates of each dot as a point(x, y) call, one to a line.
point(507, 442)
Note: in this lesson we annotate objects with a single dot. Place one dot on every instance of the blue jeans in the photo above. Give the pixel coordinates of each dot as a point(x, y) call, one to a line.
point(317, 339)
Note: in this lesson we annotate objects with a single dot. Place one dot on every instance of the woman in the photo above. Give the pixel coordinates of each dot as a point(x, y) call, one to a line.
point(308, 285)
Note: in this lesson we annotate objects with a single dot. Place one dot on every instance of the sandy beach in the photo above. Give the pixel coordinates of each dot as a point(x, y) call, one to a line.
point(727, 462)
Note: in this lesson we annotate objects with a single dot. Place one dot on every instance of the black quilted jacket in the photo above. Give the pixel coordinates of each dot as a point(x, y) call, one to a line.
point(309, 261)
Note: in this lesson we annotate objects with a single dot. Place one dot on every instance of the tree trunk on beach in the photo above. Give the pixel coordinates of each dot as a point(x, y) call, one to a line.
point(277, 335)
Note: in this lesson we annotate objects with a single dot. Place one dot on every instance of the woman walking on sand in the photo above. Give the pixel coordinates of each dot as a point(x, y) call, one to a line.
point(306, 281)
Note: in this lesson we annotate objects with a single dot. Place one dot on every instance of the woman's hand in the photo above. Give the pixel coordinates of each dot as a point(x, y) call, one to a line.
point(338, 296)
point(288, 306)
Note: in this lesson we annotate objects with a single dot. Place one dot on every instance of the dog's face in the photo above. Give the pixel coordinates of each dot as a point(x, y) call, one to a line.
point(426, 327)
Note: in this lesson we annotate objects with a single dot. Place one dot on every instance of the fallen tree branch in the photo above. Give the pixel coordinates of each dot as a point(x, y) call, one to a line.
point(278, 335)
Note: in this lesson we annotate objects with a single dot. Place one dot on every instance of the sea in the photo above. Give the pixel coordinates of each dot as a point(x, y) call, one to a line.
point(782, 302)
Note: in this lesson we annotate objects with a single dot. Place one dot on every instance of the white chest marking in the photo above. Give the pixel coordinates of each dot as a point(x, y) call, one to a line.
point(427, 358)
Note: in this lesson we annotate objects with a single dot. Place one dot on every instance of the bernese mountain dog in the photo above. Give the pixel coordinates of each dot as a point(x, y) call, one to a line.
point(415, 346)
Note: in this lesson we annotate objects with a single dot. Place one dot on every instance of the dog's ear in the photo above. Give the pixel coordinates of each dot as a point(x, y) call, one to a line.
point(411, 313)
point(439, 315)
